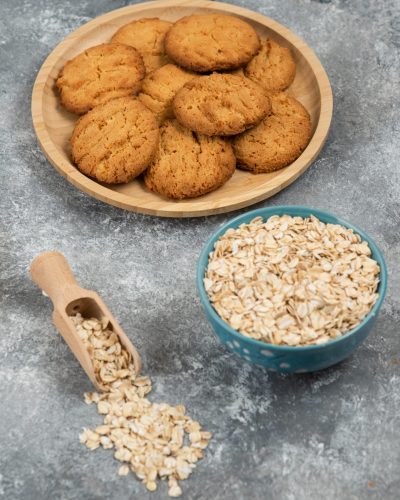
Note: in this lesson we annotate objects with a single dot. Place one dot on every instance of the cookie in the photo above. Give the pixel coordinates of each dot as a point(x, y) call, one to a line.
point(188, 165)
point(278, 140)
point(115, 141)
point(99, 74)
point(159, 89)
point(273, 67)
point(211, 42)
point(237, 72)
point(221, 104)
point(147, 36)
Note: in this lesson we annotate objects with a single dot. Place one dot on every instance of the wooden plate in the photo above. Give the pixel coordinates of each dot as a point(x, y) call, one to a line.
point(53, 125)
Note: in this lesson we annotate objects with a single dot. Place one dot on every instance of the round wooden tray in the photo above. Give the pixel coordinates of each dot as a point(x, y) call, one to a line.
point(53, 125)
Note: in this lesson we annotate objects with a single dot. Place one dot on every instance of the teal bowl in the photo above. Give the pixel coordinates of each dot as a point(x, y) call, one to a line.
point(288, 359)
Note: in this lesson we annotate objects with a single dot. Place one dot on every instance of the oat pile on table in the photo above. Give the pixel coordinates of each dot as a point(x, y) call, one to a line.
point(292, 281)
point(153, 440)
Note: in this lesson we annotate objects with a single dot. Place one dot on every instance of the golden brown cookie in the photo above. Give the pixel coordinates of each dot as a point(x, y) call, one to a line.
point(211, 42)
point(278, 140)
point(147, 36)
point(273, 67)
point(115, 141)
point(99, 74)
point(237, 72)
point(159, 89)
point(188, 165)
point(221, 104)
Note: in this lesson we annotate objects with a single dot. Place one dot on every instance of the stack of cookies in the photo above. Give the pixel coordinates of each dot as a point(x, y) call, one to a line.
point(183, 104)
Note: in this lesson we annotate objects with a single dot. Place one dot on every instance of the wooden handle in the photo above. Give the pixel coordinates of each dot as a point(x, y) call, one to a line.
point(51, 272)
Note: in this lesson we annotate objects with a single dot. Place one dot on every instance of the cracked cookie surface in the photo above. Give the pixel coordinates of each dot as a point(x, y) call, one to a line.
point(115, 142)
point(277, 140)
point(99, 74)
point(211, 42)
point(160, 87)
point(221, 104)
point(187, 164)
point(147, 36)
point(273, 67)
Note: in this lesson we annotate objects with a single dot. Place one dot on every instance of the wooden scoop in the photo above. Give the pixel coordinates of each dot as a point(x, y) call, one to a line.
point(51, 272)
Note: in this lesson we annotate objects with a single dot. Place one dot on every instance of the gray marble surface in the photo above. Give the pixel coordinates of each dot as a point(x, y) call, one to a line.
point(332, 435)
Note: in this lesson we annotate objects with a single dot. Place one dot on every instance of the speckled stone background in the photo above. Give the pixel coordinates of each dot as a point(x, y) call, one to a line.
point(331, 435)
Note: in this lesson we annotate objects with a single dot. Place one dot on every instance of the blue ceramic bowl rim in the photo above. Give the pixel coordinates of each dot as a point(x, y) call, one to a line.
point(294, 210)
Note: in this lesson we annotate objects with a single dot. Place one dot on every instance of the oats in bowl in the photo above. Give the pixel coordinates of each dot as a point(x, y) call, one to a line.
point(291, 280)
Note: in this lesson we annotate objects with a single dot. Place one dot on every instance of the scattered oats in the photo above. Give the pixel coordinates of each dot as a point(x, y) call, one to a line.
point(291, 281)
point(92, 445)
point(123, 470)
point(151, 486)
point(195, 436)
point(103, 429)
point(156, 441)
point(103, 407)
point(106, 442)
point(91, 397)
point(175, 491)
